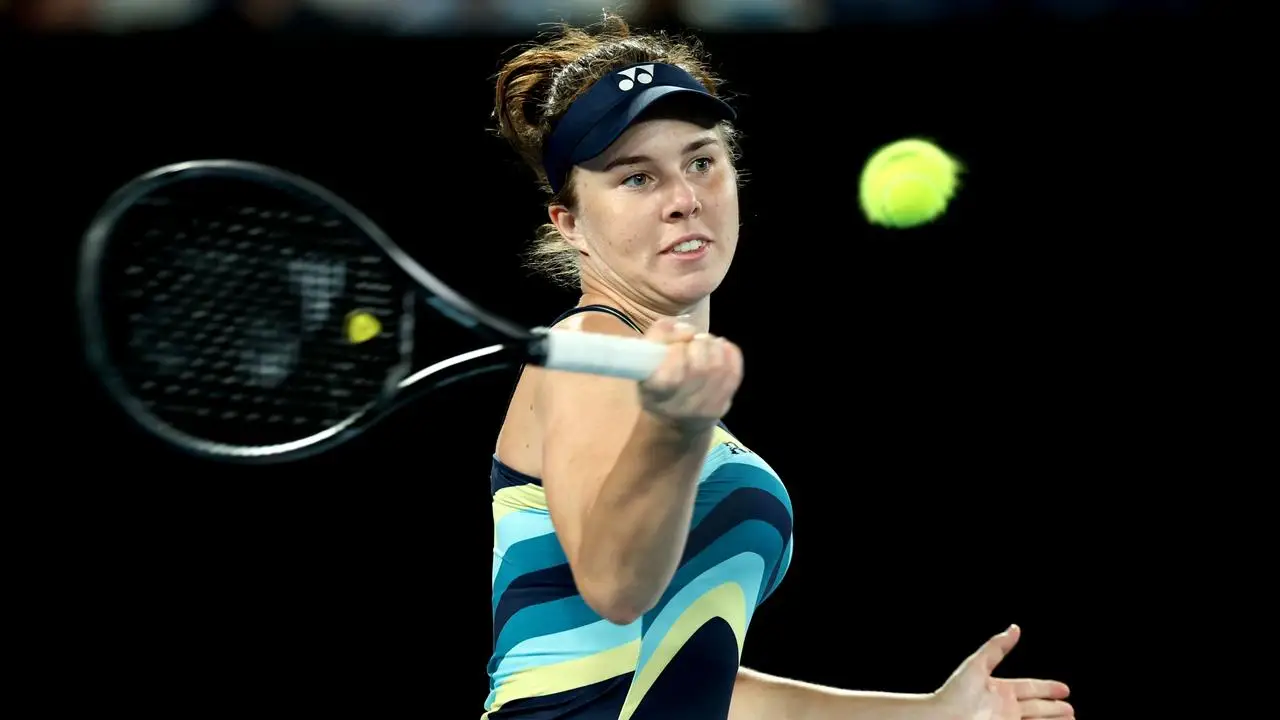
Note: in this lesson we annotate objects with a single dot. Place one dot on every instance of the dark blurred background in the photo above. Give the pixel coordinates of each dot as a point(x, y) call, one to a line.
point(978, 451)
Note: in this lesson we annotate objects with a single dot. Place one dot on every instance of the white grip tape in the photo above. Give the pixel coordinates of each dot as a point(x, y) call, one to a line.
point(598, 354)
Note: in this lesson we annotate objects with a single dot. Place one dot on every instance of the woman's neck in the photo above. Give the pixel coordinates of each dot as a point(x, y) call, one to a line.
point(699, 315)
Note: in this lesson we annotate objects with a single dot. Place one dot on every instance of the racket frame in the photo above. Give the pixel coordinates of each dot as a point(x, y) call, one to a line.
point(512, 344)
point(515, 343)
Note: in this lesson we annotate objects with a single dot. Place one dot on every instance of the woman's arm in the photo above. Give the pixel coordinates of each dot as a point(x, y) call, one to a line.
point(970, 692)
point(757, 696)
point(621, 478)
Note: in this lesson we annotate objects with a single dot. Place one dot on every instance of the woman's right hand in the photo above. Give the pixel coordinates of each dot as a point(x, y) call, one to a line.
point(694, 386)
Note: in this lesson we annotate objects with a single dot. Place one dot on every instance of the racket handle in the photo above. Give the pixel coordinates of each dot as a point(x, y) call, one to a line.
point(599, 354)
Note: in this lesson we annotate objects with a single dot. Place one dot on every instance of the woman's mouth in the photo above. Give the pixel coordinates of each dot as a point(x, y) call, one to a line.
point(690, 249)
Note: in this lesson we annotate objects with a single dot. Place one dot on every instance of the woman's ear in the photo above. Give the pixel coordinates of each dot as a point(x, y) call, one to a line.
point(567, 224)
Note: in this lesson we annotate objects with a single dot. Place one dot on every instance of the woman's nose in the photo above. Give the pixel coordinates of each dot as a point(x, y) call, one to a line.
point(684, 202)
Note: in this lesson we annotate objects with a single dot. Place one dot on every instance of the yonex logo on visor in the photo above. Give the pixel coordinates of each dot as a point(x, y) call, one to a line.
point(642, 74)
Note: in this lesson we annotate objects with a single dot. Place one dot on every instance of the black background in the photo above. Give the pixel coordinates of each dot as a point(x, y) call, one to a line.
point(962, 413)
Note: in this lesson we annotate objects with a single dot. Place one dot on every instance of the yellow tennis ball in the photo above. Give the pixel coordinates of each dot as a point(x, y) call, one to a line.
point(908, 183)
point(361, 327)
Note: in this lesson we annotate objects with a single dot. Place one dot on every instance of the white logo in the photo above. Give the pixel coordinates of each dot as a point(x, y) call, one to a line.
point(642, 74)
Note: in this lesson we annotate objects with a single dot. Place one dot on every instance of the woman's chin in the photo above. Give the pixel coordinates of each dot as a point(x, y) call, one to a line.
point(693, 288)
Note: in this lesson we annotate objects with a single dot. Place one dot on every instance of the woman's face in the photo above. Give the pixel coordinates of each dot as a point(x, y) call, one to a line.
point(657, 214)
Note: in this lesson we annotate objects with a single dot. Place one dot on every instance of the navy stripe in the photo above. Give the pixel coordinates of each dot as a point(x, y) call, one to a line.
point(749, 503)
point(502, 476)
point(698, 682)
point(535, 588)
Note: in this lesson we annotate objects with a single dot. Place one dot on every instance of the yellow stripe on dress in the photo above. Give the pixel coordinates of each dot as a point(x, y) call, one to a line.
point(570, 674)
point(726, 601)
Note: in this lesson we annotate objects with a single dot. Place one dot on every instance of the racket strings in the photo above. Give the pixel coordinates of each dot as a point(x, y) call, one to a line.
point(231, 317)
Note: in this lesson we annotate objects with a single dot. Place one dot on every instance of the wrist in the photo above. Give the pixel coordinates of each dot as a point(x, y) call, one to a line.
point(872, 705)
point(674, 434)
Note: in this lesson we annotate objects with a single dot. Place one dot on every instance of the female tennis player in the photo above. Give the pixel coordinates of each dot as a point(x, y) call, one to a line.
point(634, 535)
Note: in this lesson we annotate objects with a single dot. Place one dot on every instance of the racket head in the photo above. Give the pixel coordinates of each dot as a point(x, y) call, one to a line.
point(244, 313)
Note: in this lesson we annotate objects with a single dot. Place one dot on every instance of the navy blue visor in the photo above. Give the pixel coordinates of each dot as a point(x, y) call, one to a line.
point(606, 110)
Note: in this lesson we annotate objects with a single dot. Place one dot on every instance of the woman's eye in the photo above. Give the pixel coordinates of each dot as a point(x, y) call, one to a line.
point(634, 180)
point(702, 165)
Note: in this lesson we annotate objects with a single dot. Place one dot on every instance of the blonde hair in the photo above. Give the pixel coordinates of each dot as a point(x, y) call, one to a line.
point(535, 88)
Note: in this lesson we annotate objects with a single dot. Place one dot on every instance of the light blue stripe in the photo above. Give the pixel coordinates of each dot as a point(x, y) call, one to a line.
point(721, 457)
point(522, 525)
point(745, 569)
point(566, 645)
point(783, 566)
point(755, 536)
point(554, 616)
point(488, 702)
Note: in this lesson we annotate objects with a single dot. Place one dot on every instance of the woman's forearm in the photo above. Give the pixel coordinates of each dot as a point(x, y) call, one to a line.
point(633, 535)
point(757, 696)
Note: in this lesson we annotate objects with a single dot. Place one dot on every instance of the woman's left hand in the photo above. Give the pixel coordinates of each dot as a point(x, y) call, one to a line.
point(971, 693)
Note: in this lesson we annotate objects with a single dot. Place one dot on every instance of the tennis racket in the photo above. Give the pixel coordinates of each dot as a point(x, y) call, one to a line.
point(242, 312)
